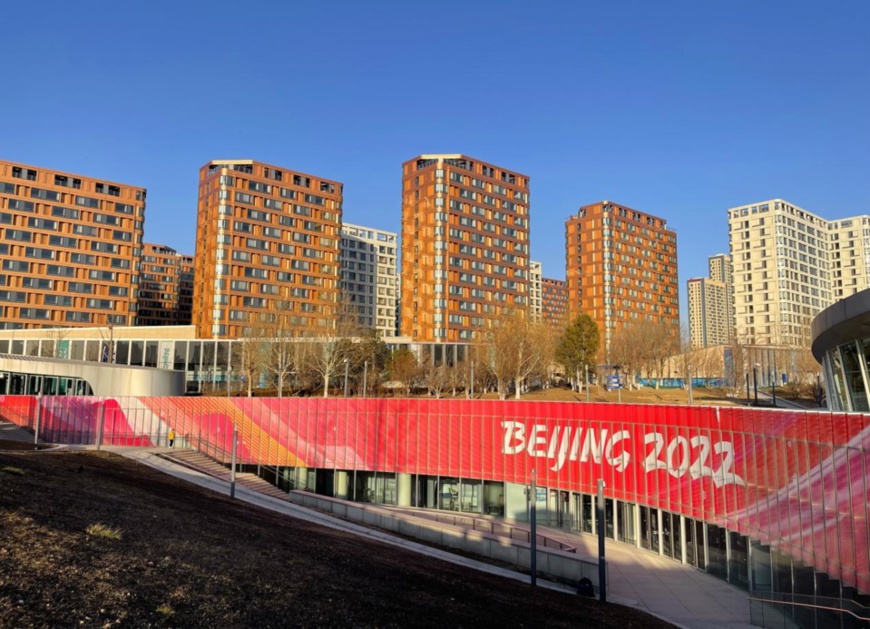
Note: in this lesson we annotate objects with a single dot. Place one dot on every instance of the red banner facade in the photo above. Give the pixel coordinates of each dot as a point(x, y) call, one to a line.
point(794, 480)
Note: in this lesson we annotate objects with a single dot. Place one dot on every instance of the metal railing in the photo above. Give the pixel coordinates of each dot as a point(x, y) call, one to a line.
point(781, 610)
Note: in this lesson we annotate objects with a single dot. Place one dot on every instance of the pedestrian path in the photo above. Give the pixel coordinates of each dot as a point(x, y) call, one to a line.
point(11, 432)
point(662, 587)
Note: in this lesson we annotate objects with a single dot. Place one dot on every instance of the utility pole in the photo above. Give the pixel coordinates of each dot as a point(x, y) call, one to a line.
point(602, 564)
point(533, 532)
point(586, 383)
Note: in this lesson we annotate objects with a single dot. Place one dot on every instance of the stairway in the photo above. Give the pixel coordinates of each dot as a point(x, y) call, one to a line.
point(201, 463)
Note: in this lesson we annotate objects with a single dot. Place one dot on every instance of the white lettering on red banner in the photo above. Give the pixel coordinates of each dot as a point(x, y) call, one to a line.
point(682, 455)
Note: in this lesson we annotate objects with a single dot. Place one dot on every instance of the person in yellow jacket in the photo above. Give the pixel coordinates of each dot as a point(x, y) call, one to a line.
point(171, 436)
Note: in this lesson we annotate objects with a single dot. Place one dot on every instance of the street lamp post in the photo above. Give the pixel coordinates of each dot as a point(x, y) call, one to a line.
point(773, 381)
point(472, 380)
point(755, 381)
point(345, 376)
point(586, 382)
point(365, 378)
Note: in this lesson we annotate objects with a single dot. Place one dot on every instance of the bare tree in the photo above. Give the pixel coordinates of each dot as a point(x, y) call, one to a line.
point(628, 350)
point(402, 368)
point(249, 355)
point(437, 379)
point(328, 339)
point(57, 340)
point(284, 351)
point(517, 347)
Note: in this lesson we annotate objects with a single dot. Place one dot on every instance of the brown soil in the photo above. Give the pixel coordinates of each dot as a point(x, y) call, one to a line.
point(188, 557)
point(19, 445)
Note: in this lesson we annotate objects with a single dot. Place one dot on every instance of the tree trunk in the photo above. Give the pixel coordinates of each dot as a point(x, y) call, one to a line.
point(326, 384)
point(518, 384)
point(281, 384)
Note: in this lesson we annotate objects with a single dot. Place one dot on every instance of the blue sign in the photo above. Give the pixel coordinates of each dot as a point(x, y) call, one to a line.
point(612, 382)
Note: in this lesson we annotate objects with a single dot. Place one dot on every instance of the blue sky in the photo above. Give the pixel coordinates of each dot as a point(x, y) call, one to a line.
point(678, 108)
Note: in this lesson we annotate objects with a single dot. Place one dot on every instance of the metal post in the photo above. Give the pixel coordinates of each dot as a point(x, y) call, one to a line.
point(747, 389)
point(38, 419)
point(233, 468)
point(365, 378)
point(472, 379)
point(602, 565)
point(586, 382)
point(689, 378)
point(618, 388)
point(102, 417)
point(229, 377)
point(773, 382)
point(533, 534)
point(755, 382)
point(345, 376)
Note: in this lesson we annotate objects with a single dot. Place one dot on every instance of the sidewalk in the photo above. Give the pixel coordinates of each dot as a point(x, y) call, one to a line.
point(664, 587)
point(637, 578)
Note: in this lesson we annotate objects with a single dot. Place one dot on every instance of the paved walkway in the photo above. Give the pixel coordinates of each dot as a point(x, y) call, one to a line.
point(11, 432)
point(637, 578)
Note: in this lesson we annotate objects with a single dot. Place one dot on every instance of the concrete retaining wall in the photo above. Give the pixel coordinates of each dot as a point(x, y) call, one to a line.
point(551, 562)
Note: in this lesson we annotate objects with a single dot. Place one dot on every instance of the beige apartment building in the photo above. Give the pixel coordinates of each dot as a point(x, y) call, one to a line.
point(708, 312)
point(70, 249)
point(267, 240)
point(781, 272)
point(370, 277)
point(849, 240)
point(711, 307)
point(465, 246)
point(536, 303)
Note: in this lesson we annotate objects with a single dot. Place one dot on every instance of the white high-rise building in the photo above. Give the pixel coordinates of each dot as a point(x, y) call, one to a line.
point(369, 276)
point(536, 301)
point(849, 255)
point(781, 272)
point(711, 305)
point(708, 312)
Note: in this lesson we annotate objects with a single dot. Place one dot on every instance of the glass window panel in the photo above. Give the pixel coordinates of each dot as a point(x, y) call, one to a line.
point(853, 377)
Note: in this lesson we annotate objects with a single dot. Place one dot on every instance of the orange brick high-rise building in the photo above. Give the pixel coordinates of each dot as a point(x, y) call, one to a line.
point(554, 297)
point(266, 238)
point(621, 267)
point(70, 249)
point(465, 246)
point(166, 289)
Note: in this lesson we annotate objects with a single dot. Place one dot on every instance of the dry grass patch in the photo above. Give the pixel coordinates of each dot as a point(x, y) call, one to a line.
point(101, 530)
point(15, 471)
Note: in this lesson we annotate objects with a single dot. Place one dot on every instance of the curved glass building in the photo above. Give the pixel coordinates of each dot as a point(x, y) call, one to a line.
point(841, 342)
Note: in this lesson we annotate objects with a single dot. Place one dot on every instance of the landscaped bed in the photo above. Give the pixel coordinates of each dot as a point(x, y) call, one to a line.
point(92, 539)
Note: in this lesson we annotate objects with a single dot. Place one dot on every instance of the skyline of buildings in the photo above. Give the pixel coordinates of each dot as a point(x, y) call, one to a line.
point(268, 235)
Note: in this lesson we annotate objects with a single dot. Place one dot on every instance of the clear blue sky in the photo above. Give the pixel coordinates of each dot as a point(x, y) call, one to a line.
point(678, 108)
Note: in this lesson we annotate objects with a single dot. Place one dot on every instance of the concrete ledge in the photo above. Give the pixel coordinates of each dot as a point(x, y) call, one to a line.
point(510, 544)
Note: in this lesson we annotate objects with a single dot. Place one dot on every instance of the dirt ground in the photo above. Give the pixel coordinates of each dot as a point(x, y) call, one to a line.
point(176, 555)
